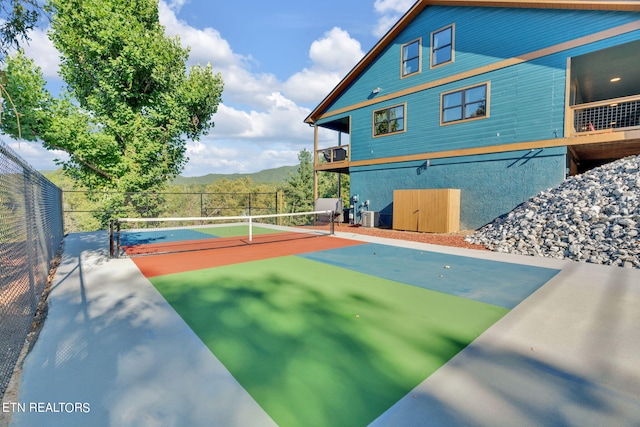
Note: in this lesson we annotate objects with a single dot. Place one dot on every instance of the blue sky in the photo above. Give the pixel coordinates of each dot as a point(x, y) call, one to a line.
point(278, 60)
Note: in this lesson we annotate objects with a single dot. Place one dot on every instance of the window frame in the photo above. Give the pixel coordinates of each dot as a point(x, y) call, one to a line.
point(452, 46)
point(463, 90)
point(403, 60)
point(404, 120)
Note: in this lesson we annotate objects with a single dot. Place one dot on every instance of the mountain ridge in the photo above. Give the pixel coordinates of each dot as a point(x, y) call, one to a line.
point(274, 175)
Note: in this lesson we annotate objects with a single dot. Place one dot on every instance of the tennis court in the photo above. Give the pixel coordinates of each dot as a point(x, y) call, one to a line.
point(325, 331)
point(328, 330)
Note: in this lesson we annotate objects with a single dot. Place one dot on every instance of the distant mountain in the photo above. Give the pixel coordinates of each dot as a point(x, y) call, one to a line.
point(276, 175)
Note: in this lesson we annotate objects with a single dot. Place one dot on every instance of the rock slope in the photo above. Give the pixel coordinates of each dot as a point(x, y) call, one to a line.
point(593, 217)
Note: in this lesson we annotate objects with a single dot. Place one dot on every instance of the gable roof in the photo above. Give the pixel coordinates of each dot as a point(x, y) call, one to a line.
point(420, 5)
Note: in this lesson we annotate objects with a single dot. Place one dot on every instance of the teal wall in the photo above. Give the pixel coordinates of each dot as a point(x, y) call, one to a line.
point(491, 185)
point(483, 36)
point(526, 103)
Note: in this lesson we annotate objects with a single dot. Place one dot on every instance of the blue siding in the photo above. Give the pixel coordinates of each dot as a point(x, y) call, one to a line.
point(512, 119)
point(526, 103)
point(491, 185)
point(483, 36)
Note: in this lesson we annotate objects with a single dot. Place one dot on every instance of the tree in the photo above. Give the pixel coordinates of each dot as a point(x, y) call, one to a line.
point(17, 18)
point(298, 190)
point(130, 103)
point(328, 186)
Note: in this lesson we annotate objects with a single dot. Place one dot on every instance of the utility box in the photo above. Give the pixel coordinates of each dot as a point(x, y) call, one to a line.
point(427, 210)
point(370, 218)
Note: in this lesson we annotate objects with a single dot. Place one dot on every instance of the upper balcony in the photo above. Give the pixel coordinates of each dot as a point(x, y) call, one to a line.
point(333, 159)
point(604, 106)
point(337, 157)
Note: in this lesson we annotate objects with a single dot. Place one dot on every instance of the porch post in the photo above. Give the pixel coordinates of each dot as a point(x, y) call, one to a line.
point(315, 163)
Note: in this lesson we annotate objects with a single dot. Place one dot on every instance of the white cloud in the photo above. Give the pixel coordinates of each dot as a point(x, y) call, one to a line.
point(260, 123)
point(43, 53)
point(391, 11)
point(35, 154)
point(281, 122)
point(236, 156)
point(336, 51)
point(208, 46)
point(332, 56)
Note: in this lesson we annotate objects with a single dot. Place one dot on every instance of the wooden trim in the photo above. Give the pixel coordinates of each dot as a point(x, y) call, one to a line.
point(605, 102)
point(568, 117)
point(544, 4)
point(453, 46)
point(517, 146)
point(315, 162)
point(404, 76)
point(571, 44)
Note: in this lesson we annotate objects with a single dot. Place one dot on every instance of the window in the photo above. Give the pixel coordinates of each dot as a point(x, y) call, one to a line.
point(442, 46)
point(411, 58)
point(389, 120)
point(465, 104)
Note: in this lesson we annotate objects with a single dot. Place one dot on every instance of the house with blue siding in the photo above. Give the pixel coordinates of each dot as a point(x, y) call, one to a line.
point(501, 99)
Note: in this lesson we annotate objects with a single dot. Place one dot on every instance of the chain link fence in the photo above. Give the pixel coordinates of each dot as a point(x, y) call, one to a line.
point(82, 210)
point(31, 231)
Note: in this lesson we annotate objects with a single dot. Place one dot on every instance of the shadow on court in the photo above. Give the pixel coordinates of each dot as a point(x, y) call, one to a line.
point(567, 355)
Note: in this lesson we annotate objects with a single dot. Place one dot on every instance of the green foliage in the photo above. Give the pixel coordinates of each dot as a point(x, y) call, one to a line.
point(239, 197)
point(328, 186)
point(24, 85)
point(298, 190)
point(17, 18)
point(131, 102)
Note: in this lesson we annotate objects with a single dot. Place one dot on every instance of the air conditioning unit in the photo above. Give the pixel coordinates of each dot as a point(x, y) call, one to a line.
point(370, 218)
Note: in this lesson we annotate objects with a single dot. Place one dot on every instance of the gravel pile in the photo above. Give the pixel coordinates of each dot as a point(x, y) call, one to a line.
point(593, 217)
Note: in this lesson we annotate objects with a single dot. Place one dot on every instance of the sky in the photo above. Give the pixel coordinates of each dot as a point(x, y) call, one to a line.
point(278, 60)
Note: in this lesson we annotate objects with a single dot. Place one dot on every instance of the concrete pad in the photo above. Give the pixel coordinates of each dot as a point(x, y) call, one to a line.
point(114, 348)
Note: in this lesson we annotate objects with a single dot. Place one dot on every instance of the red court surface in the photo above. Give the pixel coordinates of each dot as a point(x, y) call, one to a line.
point(236, 251)
point(212, 243)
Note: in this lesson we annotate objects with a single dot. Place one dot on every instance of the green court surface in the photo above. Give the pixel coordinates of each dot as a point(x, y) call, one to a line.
point(316, 344)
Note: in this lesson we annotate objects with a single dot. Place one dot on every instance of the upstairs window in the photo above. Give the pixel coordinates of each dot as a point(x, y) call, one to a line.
point(388, 121)
point(411, 58)
point(442, 46)
point(465, 104)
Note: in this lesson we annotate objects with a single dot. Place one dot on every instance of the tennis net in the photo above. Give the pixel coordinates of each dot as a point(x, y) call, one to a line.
point(148, 236)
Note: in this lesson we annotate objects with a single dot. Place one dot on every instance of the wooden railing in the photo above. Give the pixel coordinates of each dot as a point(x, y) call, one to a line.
point(333, 155)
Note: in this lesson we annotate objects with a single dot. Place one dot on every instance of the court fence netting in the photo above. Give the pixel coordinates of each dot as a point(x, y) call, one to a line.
point(31, 232)
point(130, 237)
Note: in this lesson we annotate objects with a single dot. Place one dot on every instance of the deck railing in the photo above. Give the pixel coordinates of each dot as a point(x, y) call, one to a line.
point(333, 155)
point(609, 115)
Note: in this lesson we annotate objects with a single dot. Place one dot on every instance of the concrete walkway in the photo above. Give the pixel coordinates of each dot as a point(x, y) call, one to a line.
point(113, 353)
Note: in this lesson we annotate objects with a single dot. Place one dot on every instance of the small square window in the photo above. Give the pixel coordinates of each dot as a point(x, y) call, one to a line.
point(442, 46)
point(388, 120)
point(411, 58)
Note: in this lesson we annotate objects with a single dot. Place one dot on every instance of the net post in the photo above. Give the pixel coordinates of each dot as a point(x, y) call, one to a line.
point(111, 242)
point(117, 254)
point(332, 223)
point(250, 230)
